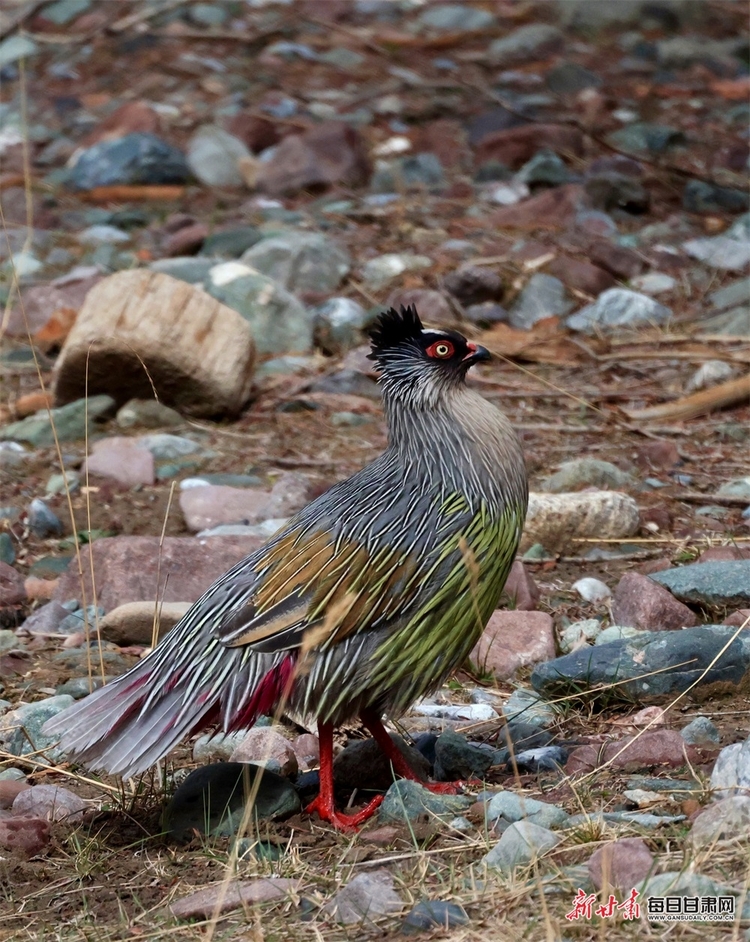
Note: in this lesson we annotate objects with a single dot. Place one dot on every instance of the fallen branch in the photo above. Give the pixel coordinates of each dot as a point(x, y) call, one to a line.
point(689, 407)
point(123, 193)
point(724, 500)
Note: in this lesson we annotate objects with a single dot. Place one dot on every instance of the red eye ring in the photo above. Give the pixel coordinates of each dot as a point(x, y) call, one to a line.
point(440, 350)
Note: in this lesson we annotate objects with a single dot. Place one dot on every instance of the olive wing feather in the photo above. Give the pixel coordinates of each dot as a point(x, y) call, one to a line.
point(313, 589)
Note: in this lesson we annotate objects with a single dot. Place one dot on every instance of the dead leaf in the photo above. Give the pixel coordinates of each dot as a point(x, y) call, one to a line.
point(56, 330)
point(544, 343)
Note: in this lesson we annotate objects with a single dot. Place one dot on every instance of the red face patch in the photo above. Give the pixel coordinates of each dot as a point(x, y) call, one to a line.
point(441, 350)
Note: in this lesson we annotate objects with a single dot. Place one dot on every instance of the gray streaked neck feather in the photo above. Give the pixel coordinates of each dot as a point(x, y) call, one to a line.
point(454, 439)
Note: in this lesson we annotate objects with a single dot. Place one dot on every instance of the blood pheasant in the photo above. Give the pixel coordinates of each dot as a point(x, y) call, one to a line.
point(363, 602)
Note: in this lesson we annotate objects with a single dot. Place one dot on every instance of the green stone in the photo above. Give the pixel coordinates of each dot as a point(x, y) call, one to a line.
point(59, 483)
point(172, 468)
point(27, 736)
point(261, 850)
point(725, 582)
point(406, 801)
point(7, 552)
point(739, 487)
point(16, 47)
point(9, 641)
point(50, 567)
point(535, 552)
point(79, 687)
point(234, 480)
point(208, 14)
point(230, 243)
point(642, 136)
point(278, 320)
point(147, 413)
point(65, 11)
point(69, 421)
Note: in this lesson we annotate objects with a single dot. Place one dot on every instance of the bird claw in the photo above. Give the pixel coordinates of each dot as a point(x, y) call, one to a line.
point(343, 822)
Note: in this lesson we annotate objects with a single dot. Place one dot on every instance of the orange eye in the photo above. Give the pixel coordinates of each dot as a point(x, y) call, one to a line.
point(440, 350)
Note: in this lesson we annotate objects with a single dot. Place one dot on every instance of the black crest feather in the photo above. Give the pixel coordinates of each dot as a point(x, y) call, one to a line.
point(393, 328)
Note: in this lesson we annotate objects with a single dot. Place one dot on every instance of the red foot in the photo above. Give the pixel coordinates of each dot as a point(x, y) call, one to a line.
point(344, 822)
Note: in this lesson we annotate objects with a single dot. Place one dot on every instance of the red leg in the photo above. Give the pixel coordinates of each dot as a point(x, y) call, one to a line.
point(372, 722)
point(323, 804)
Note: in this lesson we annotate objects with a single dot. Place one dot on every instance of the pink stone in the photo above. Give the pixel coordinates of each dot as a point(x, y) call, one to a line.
point(8, 791)
point(28, 836)
point(138, 568)
point(264, 746)
point(738, 618)
point(654, 747)
point(521, 588)
point(582, 276)
point(307, 749)
point(514, 639)
point(215, 504)
point(724, 554)
point(122, 459)
point(50, 802)
point(657, 453)
point(186, 240)
point(514, 146)
point(639, 602)
point(649, 716)
point(224, 897)
point(432, 305)
point(330, 153)
point(12, 589)
point(551, 209)
point(385, 835)
point(621, 864)
point(40, 302)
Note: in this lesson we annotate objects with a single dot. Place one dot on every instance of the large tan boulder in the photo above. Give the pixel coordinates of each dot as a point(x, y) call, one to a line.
point(140, 331)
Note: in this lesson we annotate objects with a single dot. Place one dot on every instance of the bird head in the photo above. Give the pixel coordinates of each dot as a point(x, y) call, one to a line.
point(419, 361)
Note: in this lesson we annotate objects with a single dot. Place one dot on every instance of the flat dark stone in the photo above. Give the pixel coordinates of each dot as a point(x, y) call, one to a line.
point(431, 914)
point(211, 800)
point(651, 664)
point(725, 582)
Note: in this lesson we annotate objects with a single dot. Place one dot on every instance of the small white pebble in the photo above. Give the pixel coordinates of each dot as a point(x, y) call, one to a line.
point(394, 145)
point(709, 373)
point(592, 590)
point(473, 712)
point(642, 798)
point(187, 483)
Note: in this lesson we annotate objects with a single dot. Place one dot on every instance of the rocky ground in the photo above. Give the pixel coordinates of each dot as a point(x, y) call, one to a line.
point(204, 205)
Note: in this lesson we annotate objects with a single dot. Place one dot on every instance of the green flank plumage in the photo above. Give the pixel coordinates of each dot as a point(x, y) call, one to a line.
point(365, 600)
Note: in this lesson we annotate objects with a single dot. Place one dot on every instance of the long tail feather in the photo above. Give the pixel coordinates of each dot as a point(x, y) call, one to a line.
point(188, 682)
